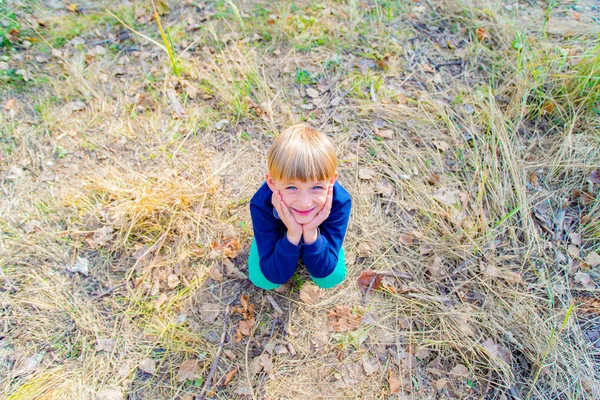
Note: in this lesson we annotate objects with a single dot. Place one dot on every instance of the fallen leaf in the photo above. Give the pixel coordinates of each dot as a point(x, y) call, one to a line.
point(148, 365)
point(408, 360)
point(27, 365)
point(575, 238)
point(366, 173)
point(369, 281)
point(232, 271)
point(433, 179)
point(110, 394)
point(266, 363)
point(482, 34)
point(459, 370)
point(82, 265)
point(230, 375)
point(425, 250)
point(101, 237)
point(384, 133)
point(594, 177)
point(312, 93)
point(395, 382)
point(436, 268)
point(72, 7)
point(364, 250)
point(585, 279)
point(422, 353)
point(440, 383)
point(586, 198)
point(533, 179)
point(160, 301)
point(173, 281)
point(440, 145)
point(245, 327)
point(42, 58)
point(215, 274)
point(448, 197)
point(105, 344)
point(210, 311)
point(9, 104)
point(406, 238)
point(592, 259)
point(310, 293)
point(341, 319)
point(369, 365)
point(188, 369)
point(497, 351)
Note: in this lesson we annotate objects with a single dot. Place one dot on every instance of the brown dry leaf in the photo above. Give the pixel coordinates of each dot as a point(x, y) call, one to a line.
point(313, 93)
point(594, 177)
point(245, 327)
point(266, 363)
point(459, 370)
point(369, 365)
point(433, 179)
point(341, 319)
point(384, 133)
point(101, 237)
point(440, 145)
point(173, 281)
point(369, 281)
point(592, 259)
point(9, 104)
point(575, 238)
point(533, 179)
point(498, 351)
point(232, 271)
point(482, 34)
point(548, 107)
point(188, 370)
point(148, 365)
point(422, 353)
point(585, 279)
point(364, 250)
point(406, 238)
point(440, 383)
point(587, 198)
point(238, 335)
point(436, 268)
point(215, 274)
point(395, 382)
point(160, 301)
point(105, 344)
point(408, 360)
point(210, 311)
point(425, 250)
point(230, 375)
point(366, 173)
point(310, 293)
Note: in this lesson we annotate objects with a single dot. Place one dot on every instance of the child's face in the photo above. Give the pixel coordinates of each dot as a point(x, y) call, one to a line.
point(304, 199)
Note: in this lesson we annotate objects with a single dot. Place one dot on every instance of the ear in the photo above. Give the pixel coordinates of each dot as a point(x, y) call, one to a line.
point(270, 181)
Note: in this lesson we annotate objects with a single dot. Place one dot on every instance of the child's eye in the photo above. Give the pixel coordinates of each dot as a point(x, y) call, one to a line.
point(291, 187)
point(318, 187)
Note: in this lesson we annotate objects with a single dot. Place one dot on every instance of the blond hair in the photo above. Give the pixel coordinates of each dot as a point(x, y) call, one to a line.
point(302, 153)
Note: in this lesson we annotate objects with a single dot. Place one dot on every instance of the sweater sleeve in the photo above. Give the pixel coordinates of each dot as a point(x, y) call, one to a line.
point(321, 257)
point(278, 256)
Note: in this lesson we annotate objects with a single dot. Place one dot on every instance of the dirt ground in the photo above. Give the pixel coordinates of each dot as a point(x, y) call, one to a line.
point(133, 135)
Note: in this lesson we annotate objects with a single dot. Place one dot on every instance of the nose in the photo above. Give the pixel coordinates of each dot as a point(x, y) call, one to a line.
point(305, 201)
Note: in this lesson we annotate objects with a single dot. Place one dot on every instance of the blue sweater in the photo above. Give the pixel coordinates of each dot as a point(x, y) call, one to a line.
point(279, 257)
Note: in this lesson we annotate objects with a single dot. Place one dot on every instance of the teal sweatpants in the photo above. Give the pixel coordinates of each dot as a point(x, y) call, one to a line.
point(257, 277)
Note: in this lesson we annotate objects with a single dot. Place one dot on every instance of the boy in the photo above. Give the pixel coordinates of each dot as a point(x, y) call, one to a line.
point(300, 212)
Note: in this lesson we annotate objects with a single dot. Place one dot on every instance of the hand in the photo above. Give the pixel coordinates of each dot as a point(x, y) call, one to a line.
point(309, 231)
point(294, 233)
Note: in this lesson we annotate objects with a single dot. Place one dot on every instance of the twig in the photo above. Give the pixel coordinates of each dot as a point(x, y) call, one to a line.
point(400, 275)
point(274, 304)
point(217, 356)
point(447, 64)
point(108, 291)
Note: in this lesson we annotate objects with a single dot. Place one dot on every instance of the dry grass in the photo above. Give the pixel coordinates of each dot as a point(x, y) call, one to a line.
point(479, 194)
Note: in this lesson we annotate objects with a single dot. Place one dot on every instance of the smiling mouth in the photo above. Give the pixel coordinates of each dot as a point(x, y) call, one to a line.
point(303, 212)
